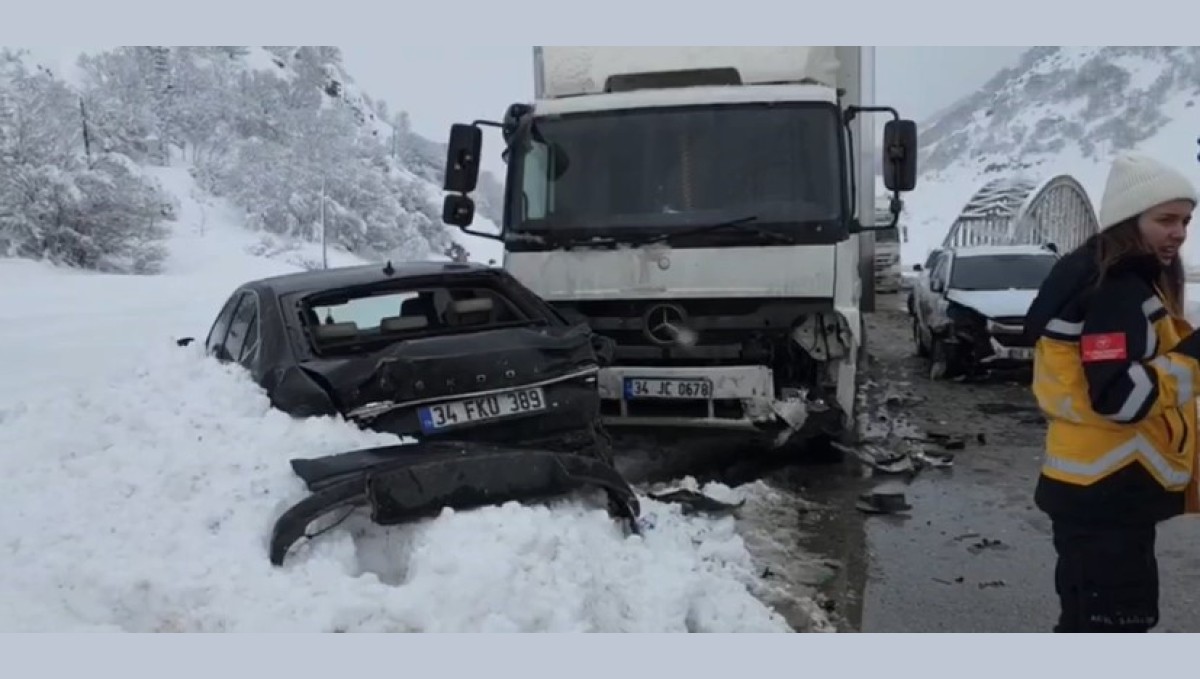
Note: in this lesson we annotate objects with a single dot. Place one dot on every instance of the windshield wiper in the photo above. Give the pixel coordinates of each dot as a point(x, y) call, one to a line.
point(636, 239)
point(739, 224)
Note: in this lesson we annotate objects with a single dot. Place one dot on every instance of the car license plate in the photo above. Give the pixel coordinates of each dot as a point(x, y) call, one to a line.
point(481, 409)
point(1022, 354)
point(656, 387)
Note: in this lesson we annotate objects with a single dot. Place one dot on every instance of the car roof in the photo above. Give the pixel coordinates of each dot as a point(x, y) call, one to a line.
point(993, 250)
point(365, 274)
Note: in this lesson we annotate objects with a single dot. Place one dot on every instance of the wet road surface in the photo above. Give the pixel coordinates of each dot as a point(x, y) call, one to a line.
point(972, 554)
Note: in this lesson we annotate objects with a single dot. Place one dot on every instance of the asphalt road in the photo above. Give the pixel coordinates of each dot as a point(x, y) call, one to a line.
point(972, 554)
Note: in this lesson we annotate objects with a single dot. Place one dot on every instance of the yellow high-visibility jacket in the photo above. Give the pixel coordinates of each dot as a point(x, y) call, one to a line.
point(1117, 377)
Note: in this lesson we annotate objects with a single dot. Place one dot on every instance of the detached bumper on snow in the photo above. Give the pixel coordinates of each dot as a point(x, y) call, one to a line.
point(409, 482)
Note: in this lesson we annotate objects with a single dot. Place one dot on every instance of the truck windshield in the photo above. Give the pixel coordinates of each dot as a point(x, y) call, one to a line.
point(1001, 272)
point(663, 169)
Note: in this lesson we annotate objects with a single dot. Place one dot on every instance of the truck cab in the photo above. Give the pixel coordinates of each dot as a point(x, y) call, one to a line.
point(702, 207)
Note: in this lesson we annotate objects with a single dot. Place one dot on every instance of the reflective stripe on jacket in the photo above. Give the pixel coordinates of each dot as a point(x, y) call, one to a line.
point(1117, 377)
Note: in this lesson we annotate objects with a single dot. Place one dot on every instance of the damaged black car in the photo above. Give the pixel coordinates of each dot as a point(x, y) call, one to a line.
point(497, 389)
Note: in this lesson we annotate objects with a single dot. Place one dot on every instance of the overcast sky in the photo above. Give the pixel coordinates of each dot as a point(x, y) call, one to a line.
point(440, 86)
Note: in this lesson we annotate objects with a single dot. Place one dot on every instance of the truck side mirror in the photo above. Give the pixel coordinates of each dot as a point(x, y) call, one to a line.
point(916, 267)
point(462, 158)
point(900, 155)
point(458, 210)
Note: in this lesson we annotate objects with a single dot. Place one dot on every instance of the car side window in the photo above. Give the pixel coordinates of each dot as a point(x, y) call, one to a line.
point(216, 334)
point(944, 274)
point(937, 278)
point(250, 346)
point(239, 327)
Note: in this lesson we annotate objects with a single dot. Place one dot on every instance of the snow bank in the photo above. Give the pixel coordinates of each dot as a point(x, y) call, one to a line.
point(142, 482)
point(151, 510)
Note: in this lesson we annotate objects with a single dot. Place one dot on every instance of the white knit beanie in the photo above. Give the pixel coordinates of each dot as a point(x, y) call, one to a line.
point(1136, 183)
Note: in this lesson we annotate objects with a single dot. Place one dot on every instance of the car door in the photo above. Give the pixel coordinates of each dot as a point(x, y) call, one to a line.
point(931, 294)
point(240, 325)
point(939, 280)
point(921, 287)
point(220, 326)
point(241, 339)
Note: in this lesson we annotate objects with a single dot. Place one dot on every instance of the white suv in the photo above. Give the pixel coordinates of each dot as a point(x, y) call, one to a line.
point(969, 312)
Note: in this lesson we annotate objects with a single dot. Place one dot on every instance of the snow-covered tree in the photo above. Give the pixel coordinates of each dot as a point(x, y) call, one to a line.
point(57, 204)
point(294, 145)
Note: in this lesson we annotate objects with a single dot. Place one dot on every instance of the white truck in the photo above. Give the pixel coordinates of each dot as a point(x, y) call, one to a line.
point(889, 276)
point(705, 208)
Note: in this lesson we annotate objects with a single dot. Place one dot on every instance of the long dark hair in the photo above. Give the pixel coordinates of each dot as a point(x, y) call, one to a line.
point(1123, 242)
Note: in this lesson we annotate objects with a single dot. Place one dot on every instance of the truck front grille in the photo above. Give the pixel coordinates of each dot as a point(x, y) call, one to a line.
point(716, 331)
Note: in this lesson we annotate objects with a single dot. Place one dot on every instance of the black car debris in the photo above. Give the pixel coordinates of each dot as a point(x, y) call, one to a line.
point(497, 389)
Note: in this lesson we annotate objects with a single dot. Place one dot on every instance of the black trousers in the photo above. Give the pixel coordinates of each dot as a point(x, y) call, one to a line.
point(1106, 578)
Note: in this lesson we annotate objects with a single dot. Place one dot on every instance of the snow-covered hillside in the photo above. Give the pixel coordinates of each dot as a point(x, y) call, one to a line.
point(283, 133)
point(141, 481)
point(1061, 110)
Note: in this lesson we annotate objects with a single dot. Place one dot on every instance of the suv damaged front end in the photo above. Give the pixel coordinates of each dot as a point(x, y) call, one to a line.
point(975, 341)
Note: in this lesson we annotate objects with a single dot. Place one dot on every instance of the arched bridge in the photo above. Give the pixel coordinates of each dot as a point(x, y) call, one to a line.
point(1020, 211)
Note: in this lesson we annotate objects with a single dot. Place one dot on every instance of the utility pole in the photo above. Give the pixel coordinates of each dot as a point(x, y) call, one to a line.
point(87, 140)
point(324, 231)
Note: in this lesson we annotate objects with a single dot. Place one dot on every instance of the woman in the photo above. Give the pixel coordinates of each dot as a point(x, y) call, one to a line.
point(1117, 373)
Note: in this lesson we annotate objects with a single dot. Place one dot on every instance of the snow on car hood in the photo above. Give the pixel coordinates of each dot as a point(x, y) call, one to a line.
point(994, 303)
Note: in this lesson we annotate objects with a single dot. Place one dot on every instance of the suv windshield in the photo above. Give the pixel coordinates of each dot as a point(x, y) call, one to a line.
point(1000, 272)
point(662, 169)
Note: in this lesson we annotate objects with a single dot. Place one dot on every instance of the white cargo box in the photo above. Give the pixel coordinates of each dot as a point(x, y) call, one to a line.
point(571, 71)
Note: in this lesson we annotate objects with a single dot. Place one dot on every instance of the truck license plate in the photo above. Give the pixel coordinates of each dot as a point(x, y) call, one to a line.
point(655, 387)
point(481, 409)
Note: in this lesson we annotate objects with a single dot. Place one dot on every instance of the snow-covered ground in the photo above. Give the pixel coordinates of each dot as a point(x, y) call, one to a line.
point(141, 481)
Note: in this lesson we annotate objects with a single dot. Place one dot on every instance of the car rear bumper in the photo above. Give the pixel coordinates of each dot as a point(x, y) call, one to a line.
point(570, 406)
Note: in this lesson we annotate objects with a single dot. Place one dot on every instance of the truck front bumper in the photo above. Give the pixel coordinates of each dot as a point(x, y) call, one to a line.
point(730, 397)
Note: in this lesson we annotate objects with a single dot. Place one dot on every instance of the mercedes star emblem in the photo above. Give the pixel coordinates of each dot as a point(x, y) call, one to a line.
point(664, 323)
